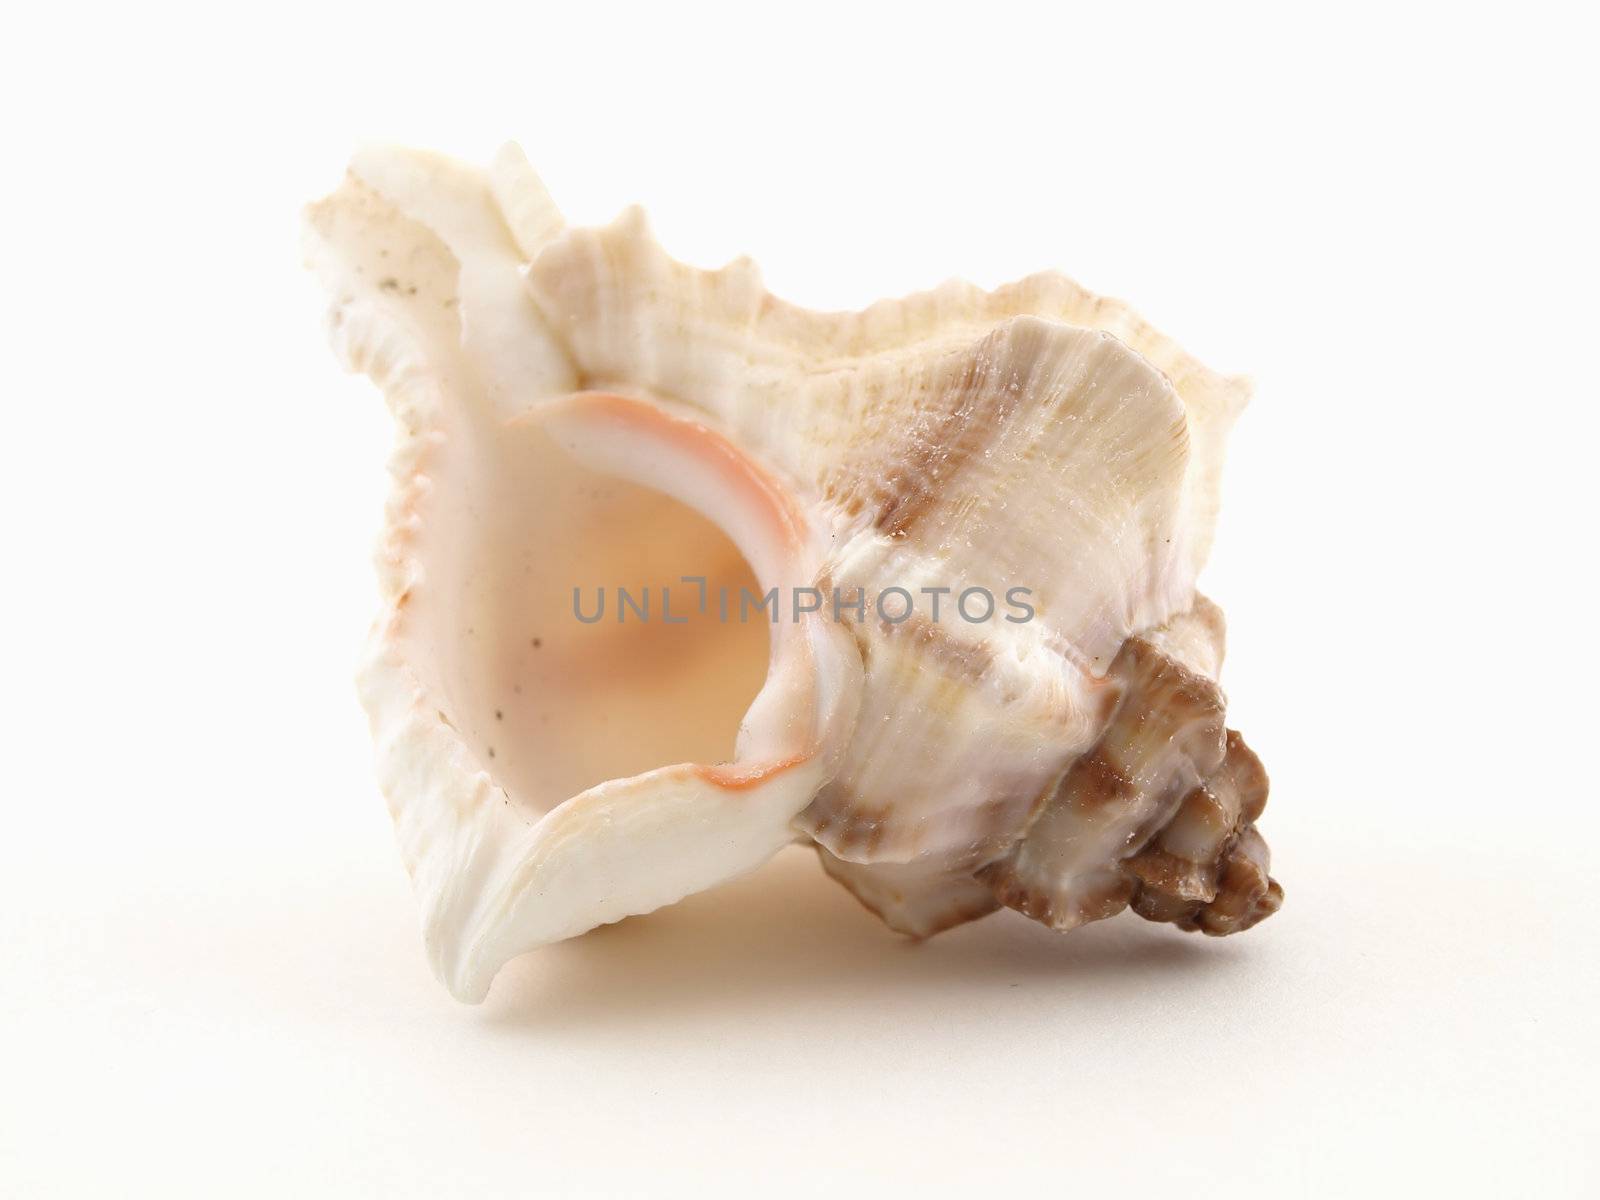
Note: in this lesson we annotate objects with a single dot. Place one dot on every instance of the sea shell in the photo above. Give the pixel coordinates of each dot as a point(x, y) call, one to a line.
point(580, 415)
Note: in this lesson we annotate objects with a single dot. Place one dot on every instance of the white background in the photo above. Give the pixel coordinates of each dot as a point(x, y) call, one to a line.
point(209, 968)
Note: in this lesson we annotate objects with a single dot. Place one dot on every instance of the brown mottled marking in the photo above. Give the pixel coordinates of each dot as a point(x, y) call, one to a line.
point(1199, 861)
point(855, 835)
point(980, 406)
point(1095, 782)
point(851, 830)
point(961, 659)
point(1036, 808)
point(1110, 694)
point(1106, 899)
point(1009, 890)
point(1246, 894)
point(1159, 906)
point(1162, 873)
point(1242, 892)
point(887, 902)
point(1170, 687)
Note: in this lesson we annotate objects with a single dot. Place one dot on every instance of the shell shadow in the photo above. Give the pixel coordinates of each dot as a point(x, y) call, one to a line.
point(788, 940)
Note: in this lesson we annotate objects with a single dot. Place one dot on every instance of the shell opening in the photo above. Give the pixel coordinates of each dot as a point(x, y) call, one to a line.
point(552, 704)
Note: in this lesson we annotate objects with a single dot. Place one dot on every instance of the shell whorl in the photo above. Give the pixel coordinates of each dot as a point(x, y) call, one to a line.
point(1158, 815)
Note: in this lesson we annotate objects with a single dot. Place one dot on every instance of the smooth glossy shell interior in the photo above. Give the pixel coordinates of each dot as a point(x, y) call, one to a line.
point(551, 703)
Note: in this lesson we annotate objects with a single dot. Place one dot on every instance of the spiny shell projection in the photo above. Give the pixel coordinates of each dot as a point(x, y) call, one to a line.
point(581, 414)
